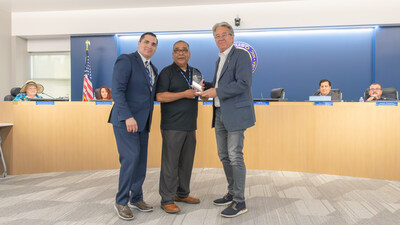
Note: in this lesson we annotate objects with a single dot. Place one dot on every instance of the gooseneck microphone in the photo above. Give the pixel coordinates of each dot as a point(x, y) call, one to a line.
point(47, 95)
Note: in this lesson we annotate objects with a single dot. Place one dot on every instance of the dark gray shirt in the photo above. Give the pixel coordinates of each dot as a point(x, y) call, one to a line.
point(180, 114)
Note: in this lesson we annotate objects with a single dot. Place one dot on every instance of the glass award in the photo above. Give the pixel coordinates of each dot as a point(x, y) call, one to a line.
point(197, 77)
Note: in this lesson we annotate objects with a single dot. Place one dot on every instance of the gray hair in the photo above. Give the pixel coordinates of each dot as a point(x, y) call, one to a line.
point(222, 24)
point(181, 41)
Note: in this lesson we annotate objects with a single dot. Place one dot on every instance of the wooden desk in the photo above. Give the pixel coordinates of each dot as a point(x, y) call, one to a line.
point(354, 139)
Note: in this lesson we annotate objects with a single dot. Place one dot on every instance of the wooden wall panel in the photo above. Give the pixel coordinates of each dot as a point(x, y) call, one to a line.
point(354, 139)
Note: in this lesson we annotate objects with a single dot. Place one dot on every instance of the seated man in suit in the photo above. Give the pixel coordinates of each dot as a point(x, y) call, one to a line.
point(375, 94)
point(325, 90)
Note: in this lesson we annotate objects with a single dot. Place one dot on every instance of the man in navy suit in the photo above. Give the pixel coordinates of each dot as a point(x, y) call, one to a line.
point(233, 113)
point(133, 92)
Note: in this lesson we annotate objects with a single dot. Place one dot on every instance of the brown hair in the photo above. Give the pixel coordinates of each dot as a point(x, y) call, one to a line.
point(109, 96)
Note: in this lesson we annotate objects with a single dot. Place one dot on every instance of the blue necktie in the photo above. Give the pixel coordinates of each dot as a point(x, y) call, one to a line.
point(149, 73)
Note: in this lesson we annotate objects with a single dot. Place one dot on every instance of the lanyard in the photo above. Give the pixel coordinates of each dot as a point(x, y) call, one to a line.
point(190, 78)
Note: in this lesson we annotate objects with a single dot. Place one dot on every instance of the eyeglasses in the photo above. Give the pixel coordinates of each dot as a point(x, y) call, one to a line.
point(181, 50)
point(374, 89)
point(224, 35)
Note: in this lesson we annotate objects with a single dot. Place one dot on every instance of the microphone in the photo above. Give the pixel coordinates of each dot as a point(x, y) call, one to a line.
point(47, 95)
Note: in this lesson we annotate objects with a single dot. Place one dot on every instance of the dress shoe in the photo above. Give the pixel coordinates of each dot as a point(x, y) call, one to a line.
point(123, 212)
point(189, 199)
point(171, 208)
point(141, 206)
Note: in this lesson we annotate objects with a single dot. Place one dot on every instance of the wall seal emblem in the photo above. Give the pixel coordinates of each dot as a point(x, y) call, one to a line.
point(251, 51)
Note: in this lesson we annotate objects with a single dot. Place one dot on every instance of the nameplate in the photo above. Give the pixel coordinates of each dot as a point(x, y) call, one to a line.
point(261, 103)
point(386, 103)
point(207, 103)
point(104, 103)
point(324, 103)
point(319, 98)
point(45, 103)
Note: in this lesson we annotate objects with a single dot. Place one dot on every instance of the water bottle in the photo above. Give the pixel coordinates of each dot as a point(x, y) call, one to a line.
point(361, 99)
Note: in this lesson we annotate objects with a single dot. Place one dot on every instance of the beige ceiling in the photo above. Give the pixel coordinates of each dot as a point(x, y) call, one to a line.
point(63, 5)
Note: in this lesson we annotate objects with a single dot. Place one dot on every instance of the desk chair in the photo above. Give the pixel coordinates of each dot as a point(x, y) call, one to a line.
point(385, 91)
point(97, 93)
point(13, 92)
point(278, 93)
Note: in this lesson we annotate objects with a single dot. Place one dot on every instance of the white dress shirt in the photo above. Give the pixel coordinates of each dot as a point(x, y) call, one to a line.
point(222, 59)
point(149, 67)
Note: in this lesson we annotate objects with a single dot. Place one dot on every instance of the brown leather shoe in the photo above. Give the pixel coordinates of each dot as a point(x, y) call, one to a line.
point(123, 212)
point(189, 199)
point(171, 208)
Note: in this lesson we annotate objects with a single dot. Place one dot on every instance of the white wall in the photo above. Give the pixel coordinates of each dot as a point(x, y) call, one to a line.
point(20, 62)
point(49, 45)
point(270, 14)
point(5, 53)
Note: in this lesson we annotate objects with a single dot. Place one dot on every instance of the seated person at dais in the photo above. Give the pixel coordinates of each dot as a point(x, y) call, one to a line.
point(375, 94)
point(325, 90)
point(29, 90)
point(105, 93)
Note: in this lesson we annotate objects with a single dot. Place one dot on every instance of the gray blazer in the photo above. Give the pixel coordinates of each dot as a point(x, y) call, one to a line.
point(335, 97)
point(234, 91)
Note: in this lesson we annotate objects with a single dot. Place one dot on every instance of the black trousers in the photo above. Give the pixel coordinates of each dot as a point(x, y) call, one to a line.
point(176, 164)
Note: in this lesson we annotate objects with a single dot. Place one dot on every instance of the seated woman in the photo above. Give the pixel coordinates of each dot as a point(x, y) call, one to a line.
point(105, 93)
point(29, 90)
point(325, 90)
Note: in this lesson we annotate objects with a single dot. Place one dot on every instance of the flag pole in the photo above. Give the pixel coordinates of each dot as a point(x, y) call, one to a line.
point(87, 44)
point(87, 93)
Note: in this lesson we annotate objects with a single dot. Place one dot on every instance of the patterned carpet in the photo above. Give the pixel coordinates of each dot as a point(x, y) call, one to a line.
point(272, 197)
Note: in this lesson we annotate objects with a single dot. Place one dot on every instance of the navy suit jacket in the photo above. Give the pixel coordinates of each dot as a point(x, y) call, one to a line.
point(131, 92)
point(234, 91)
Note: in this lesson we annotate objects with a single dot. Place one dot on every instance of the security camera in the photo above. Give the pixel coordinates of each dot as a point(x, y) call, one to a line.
point(237, 21)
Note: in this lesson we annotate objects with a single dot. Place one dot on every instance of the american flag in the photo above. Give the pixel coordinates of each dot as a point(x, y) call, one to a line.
point(87, 79)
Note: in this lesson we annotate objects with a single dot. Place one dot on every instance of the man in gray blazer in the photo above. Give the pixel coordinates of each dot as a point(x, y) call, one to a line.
point(325, 90)
point(233, 113)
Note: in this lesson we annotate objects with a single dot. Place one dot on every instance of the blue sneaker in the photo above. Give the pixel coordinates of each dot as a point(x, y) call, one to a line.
point(226, 200)
point(234, 209)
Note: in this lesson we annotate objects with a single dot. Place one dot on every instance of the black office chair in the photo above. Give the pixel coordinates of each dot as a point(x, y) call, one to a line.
point(13, 93)
point(97, 93)
point(385, 91)
point(278, 93)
